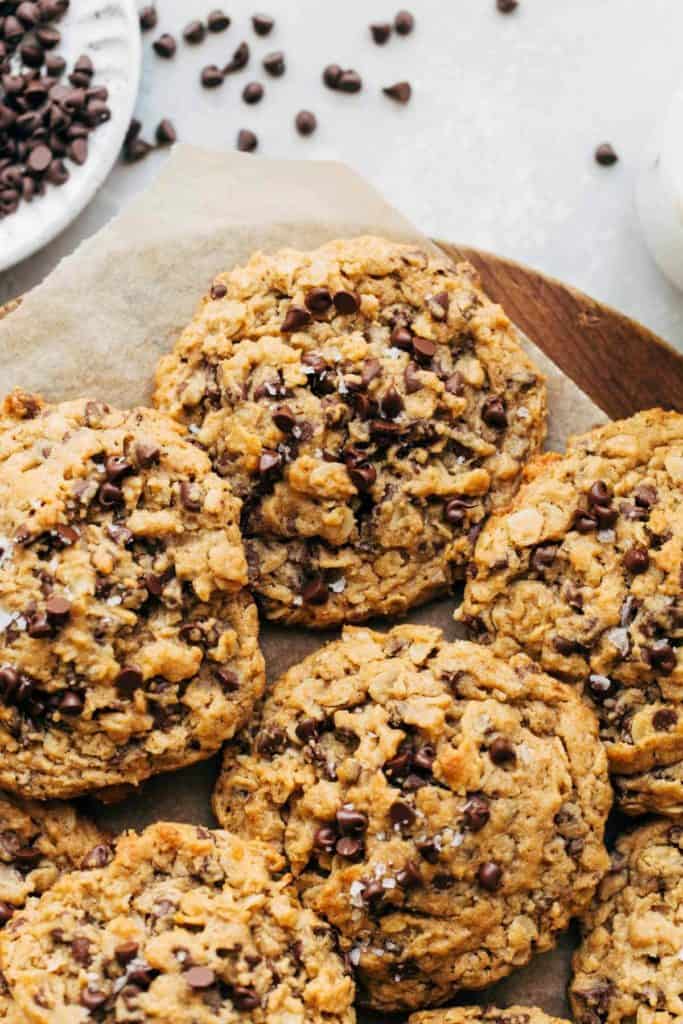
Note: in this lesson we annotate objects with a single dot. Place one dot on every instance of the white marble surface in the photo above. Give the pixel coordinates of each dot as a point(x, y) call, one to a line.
point(495, 149)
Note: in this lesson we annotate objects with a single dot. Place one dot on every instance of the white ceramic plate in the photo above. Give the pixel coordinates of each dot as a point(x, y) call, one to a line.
point(108, 32)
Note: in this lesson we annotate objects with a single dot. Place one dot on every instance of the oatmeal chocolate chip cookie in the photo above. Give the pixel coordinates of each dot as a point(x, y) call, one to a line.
point(184, 925)
point(38, 842)
point(128, 643)
point(485, 1015)
point(628, 966)
point(370, 405)
point(659, 790)
point(584, 573)
point(442, 809)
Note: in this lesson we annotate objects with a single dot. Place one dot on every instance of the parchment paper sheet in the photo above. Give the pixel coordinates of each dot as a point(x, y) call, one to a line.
point(99, 322)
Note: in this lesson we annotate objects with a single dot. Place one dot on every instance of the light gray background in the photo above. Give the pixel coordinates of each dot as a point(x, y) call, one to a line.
point(495, 149)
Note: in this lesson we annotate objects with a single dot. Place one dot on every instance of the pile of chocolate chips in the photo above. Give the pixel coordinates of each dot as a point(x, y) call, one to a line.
point(45, 115)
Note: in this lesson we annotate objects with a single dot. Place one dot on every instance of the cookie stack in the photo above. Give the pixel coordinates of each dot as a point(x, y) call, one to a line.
point(338, 435)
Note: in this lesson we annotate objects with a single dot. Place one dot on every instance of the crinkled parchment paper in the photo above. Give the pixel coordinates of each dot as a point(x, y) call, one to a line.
point(99, 322)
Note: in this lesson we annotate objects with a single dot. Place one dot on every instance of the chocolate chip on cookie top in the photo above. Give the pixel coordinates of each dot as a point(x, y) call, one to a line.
point(584, 573)
point(128, 642)
point(183, 925)
point(628, 966)
point(370, 405)
point(485, 1015)
point(442, 809)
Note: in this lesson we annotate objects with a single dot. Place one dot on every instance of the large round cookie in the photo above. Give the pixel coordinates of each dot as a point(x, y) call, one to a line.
point(584, 573)
point(370, 406)
point(184, 925)
point(128, 642)
point(485, 1015)
point(442, 809)
point(628, 966)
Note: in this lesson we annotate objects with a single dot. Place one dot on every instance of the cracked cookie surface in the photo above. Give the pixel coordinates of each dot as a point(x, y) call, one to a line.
point(628, 966)
point(584, 573)
point(485, 1015)
point(399, 774)
point(370, 406)
point(184, 925)
point(128, 643)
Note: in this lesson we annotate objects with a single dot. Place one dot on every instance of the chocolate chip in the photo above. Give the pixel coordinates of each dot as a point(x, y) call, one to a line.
point(363, 476)
point(351, 822)
point(38, 627)
point(244, 998)
point(325, 839)
point(305, 122)
point(120, 534)
point(346, 302)
point(637, 560)
point(331, 75)
point(662, 656)
point(228, 679)
point(165, 46)
point(125, 952)
point(199, 977)
point(543, 556)
point(190, 496)
point(391, 403)
point(455, 512)
point(605, 155)
point(380, 32)
point(664, 719)
point(98, 857)
point(409, 876)
point(501, 751)
point(148, 17)
point(349, 848)
point(58, 609)
point(349, 81)
point(315, 592)
point(39, 159)
point(239, 59)
point(493, 412)
point(211, 77)
point(413, 383)
point(92, 999)
point(252, 93)
point(128, 680)
point(428, 850)
point(269, 462)
point(71, 703)
point(490, 876)
point(601, 687)
point(507, 6)
point(400, 91)
point(217, 21)
point(194, 32)
point(645, 496)
point(274, 63)
point(476, 813)
point(262, 24)
point(78, 151)
point(80, 950)
point(318, 300)
point(404, 23)
point(423, 348)
point(296, 317)
point(284, 419)
point(401, 814)
point(110, 495)
point(165, 133)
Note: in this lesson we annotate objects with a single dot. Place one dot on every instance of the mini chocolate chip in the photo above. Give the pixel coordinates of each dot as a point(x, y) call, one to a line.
point(543, 556)
point(98, 857)
point(600, 493)
point(296, 317)
point(252, 93)
point(349, 848)
point(217, 21)
point(380, 32)
point(125, 952)
point(318, 300)
point(128, 680)
point(363, 476)
point(331, 75)
point(409, 876)
point(92, 999)
point(371, 369)
point(493, 412)
point(423, 758)
point(190, 497)
point(662, 656)
point(501, 750)
point(400, 91)
point(284, 419)
point(601, 687)
point(476, 813)
point(428, 849)
point(391, 403)
point(606, 515)
point(645, 496)
point(165, 46)
point(584, 522)
point(269, 462)
point(199, 977)
point(262, 24)
point(637, 560)
point(244, 998)
point(346, 302)
point(423, 348)
point(404, 23)
point(165, 133)
point(349, 81)
point(228, 679)
point(148, 17)
point(80, 950)
point(194, 32)
point(110, 495)
point(116, 467)
point(211, 77)
point(455, 512)
point(402, 337)
point(58, 609)
point(664, 719)
point(38, 627)
point(307, 730)
point(350, 822)
point(120, 534)
point(490, 876)
point(305, 122)
point(605, 155)
point(401, 814)
point(274, 63)
point(325, 839)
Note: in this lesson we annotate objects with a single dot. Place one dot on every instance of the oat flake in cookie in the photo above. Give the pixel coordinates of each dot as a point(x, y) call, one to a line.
point(628, 966)
point(584, 572)
point(442, 809)
point(128, 643)
point(185, 926)
point(485, 1015)
point(369, 405)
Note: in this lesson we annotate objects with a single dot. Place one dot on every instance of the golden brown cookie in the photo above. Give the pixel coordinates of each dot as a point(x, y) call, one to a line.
point(442, 809)
point(370, 406)
point(584, 573)
point(129, 642)
point(485, 1015)
point(185, 926)
point(628, 966)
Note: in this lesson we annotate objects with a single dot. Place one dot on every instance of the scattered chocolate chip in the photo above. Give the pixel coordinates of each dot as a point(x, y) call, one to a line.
point(391, 403)
point(217, 21)
point(664, 719)
point(605, 155)
point(296, 317)
point(318, 300)
point(349, 81)
point(252, 93)
point(490, 876)
point(92, 999)
point(325, 839)
point(80, 950)
point(476, 813)
point(246, 141)
point(38, 627)
point(284, 419)
point(58, 609)
point(646, 496)
point(409, 876)
point(148, 17)
point(128, 680)
point(199, 977)
point(315, 592)
point(428, 850)
point(351, 822)
point(404, 23)
point(166, 133)
point(493, 412)
point(211, 76)
point(380, 32)
point(331, 75)
point(71, 703)
point(194, 32)
point(636, 560)
point(125, 952)
point(239, 59)
point(346, 302)
point(662, 656)
point(262, 24)
point(501, 751)
point(349, 848)
point(400, 91)
point(274, 63)
point(401, 814)
point(305, 122)
point(165, 46)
